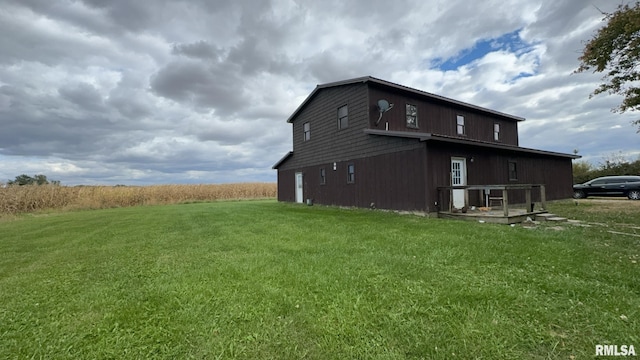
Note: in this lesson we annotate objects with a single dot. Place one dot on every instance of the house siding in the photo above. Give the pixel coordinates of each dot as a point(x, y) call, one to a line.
point(438, 117)
point(329, 144)
point(388, 181)
point(491, 167)
point(286, 185)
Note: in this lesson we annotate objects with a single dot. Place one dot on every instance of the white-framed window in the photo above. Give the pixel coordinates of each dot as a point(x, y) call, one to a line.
point(343, 117)
point(412, 116)
point(460, 125)
point(496, 132)
point(306, 128)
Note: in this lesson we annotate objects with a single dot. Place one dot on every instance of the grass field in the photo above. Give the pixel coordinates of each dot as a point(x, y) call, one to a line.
point(267, 280)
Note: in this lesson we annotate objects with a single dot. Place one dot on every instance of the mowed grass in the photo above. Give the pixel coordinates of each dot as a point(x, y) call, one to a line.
point(268, 280)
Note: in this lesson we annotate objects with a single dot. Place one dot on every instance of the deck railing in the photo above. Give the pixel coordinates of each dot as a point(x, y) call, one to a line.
point(490, 193)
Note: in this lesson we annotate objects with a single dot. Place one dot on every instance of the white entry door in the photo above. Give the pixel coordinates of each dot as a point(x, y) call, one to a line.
point(299, 189)
point(458, 178)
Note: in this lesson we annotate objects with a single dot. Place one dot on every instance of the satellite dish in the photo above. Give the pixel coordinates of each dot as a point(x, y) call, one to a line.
point(383, 107)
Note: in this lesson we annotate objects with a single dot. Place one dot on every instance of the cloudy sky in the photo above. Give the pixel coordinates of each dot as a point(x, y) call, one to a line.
point(198, 91)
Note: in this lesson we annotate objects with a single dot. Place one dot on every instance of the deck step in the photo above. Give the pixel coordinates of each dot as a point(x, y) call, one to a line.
point(549, 217)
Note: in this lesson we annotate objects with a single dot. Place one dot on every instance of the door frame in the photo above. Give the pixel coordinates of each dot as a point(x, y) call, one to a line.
point(458, 196)
point(299, 187)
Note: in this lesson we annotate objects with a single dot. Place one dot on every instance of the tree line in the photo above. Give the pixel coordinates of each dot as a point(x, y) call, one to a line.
point(35, 180)
point(613, 165)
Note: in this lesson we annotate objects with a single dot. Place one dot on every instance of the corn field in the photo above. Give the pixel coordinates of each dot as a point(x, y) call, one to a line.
point(31, 198)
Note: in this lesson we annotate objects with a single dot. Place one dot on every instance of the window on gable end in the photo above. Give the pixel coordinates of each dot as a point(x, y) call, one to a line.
point(306, 131)
point(496, 132)
point(343, 117)
point(412, 116)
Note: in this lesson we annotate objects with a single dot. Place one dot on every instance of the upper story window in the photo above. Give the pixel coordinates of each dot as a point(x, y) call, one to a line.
point(412, 116)
point(306, 131)
point(351, 174)
point(460, 125)
point(343, 117)
point(496, 132)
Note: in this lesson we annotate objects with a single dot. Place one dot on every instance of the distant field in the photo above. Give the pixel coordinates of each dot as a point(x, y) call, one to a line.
point(22, 199)
point(267, 280)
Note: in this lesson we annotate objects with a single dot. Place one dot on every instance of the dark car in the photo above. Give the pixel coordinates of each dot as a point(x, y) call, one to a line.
point(628, 186)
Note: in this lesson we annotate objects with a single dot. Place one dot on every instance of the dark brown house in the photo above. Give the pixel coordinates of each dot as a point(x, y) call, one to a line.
point(368, 142)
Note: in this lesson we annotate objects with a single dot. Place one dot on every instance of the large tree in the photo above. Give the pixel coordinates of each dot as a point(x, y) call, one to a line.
point(615, 50)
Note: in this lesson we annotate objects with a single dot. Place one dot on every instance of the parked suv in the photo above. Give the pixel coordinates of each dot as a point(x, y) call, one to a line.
point(628, 186)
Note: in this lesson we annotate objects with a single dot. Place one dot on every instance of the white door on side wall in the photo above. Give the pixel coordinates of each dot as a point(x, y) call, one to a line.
point(458, 178)
point(299, 187)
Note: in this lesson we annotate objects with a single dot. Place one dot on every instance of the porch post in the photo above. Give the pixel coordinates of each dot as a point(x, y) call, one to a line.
point(527, 196)
point(543, 197)
point(505, 202)
point(466, 197)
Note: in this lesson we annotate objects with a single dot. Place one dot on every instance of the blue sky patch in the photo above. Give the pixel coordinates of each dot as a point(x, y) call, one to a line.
point(510, 42)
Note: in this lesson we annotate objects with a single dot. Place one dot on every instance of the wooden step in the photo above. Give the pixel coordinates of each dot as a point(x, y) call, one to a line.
point(549, 217)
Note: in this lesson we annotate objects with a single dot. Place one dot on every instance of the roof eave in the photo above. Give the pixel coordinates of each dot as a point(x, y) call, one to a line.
point(282, 160)
point(453, 140)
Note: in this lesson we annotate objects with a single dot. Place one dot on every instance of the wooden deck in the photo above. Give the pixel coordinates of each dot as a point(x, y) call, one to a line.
point(492, 216)
point(503, 214)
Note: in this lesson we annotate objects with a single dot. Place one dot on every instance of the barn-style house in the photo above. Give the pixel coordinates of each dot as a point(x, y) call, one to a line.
point(367, 142)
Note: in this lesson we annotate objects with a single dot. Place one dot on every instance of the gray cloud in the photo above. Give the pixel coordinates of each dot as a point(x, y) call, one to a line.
point(198, 50)
point(199, 91)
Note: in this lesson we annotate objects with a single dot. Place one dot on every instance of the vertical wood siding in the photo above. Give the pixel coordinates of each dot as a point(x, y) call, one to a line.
point(491, 166)
point(439, 117)
point(389, 181)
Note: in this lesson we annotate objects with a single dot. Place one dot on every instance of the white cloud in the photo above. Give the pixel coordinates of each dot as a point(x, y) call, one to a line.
point(199, 91)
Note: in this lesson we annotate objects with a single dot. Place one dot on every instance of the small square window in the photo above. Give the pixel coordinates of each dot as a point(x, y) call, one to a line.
point(323, 176)
point(460, 125)
point(351, 174)
point(412, 116)
point(343, 117)
point(513, 171)
point(307, 131)
point(496, 132)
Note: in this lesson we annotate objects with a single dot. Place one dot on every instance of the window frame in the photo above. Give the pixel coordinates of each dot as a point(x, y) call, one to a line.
point(345, 117)
point(413, 114)
point(323, 176)
point(513, 171)
point(496, 132)
point(460, 125)
point(306, 131)
point(351, 173)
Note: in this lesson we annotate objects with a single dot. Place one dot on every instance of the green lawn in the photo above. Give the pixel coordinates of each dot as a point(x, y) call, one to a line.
point(267, 280)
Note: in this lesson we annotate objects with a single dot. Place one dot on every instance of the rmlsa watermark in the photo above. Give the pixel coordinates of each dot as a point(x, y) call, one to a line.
point(615, 350)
